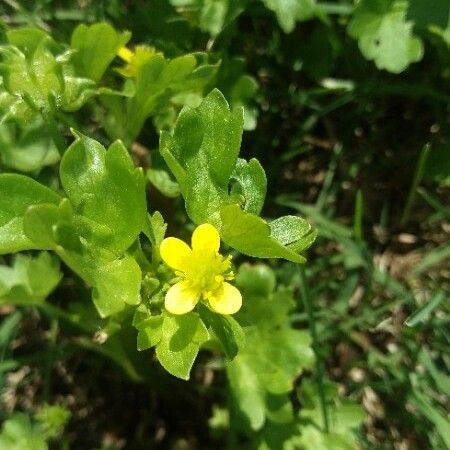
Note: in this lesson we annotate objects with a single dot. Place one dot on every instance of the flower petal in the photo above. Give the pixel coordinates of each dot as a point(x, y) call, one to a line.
point(125, 53)
point(206, 237)
point(226, 300)
point(175, 253)
point(181, 298)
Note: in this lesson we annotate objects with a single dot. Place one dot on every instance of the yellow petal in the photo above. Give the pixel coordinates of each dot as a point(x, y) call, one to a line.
point(181, 298)
point(175, 253)
point(206, 237)
point(125, 53)
point(226, 300)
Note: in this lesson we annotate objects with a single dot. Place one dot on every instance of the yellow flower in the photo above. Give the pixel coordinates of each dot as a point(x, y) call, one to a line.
point(135, 60)
point(203, 272)
point(126, 54)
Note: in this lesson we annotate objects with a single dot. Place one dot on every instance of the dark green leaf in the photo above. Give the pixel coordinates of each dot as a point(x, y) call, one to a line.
point(227, 330)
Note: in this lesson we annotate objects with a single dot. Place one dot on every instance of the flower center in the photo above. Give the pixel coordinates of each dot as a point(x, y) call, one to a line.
point(207, 271)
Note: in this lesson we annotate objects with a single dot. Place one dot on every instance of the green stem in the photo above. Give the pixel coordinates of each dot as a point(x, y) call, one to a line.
point(315, 345)
point(54, 311)
point(358, 217)
point(420, 168)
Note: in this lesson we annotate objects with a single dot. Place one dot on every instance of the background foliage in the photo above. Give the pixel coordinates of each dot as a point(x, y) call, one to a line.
point(346, 109)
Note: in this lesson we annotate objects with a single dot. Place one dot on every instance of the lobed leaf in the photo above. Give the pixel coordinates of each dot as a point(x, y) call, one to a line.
point(17, 194)
point(290, 11)
point(96, 46)
point(107, 190)
point(29, 280)
point(385, 35)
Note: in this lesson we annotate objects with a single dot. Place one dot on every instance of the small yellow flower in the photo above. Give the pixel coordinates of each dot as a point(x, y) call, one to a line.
point(203, 271)
point(126, 54)
point(135, 59)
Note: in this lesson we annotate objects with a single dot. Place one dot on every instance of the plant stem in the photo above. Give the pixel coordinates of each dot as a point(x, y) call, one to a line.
point(315, 345)
point(358, 217)
point(420, 168)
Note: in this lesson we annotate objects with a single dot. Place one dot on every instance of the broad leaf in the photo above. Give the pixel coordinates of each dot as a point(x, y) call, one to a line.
point(29, 280)
point(116, 279)
point(385, 35)
point(18, 193)
point(251, 235)
point(205, 145)
point(290, 11)
point(105, 188)
point(96, 46)
point(36, 82)
point(158, 79)
point(180, 342)
point(210, 15)
point(263, 372)
point(29, 149)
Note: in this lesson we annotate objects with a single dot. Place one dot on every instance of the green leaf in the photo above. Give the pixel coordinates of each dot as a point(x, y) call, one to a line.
point(251, 184)
point(248, 393)
point(294, 232)
point(159, 79)
point(18, 194)
point(239, 88)
point(210, 15)
point(53, 419)
point(96, 46)
point(205, 145)
point(18, 433)
point(116, 283)
point(29, 280)
point(226, 329)
point(28, 150)
point(423, 313)
point(149, 328)
point(155, 229)
point(106, 189)
point(262, 374)
point(37, 83)
point(344, 417)
point(257, 279)
point(250, 235)
point(433, 414)
point(27, 38)
point(161, 180)
point(180, 342)
point(116, 279)
point(385, 35)
point(8, 328)
point(202, 154)
point(290, 11)
point(268, 365)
